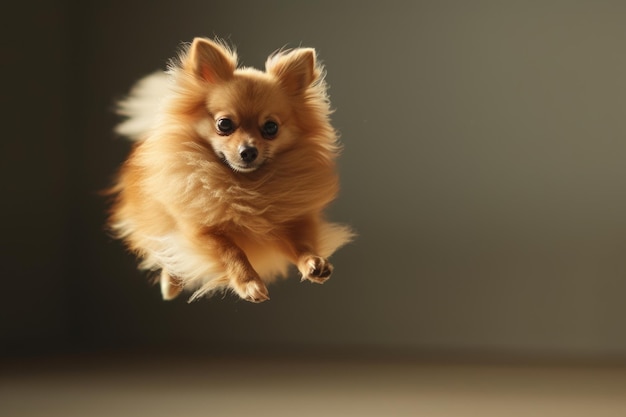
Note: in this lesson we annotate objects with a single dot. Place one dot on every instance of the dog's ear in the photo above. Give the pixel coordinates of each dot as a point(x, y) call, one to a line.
point(295, 69)
point(211, 60)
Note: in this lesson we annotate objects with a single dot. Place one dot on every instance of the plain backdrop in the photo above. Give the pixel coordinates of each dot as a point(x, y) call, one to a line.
point(484, 170)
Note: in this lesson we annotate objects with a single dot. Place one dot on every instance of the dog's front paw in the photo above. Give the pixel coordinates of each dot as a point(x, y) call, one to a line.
point(253, 290)
point(315, 269)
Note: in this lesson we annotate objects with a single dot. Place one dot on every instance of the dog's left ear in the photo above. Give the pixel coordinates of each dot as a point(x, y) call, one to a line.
point(295, 69)
point(211, 60)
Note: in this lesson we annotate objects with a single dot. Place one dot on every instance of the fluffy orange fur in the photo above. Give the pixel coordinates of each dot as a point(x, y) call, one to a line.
point(190, 203)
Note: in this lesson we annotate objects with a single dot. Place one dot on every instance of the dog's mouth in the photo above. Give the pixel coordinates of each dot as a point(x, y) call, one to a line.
point(241, 167)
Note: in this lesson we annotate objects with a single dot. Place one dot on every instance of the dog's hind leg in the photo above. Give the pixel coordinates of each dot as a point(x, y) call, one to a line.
point(170, 286)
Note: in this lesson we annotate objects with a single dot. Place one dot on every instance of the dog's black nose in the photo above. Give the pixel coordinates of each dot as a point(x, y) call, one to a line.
point(248, 153)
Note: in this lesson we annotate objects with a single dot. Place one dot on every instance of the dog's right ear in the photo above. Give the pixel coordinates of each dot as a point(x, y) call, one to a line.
point(295, 69)
point(211, 61)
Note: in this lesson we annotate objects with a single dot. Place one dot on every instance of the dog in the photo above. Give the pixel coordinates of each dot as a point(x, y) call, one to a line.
point(230, 172)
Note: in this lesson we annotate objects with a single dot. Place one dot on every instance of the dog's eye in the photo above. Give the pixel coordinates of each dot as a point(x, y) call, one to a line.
point(269, 130)
point(225, 126)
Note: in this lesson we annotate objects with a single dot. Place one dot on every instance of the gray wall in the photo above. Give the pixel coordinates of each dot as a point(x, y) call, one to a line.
point(483, 169)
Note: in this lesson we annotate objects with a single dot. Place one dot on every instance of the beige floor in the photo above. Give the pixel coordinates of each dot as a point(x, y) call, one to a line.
point(217, 387)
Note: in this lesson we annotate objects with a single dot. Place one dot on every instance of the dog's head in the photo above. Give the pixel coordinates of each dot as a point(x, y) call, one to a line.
point(248, 116)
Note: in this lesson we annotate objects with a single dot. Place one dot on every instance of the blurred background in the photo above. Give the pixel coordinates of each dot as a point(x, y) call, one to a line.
point(484, 170)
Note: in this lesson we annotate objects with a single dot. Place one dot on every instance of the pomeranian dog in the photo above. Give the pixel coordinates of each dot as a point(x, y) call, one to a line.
point(230, 173)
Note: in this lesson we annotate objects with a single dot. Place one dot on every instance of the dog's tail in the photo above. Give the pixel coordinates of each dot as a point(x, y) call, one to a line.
point(141, 107)
point(333, 236)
